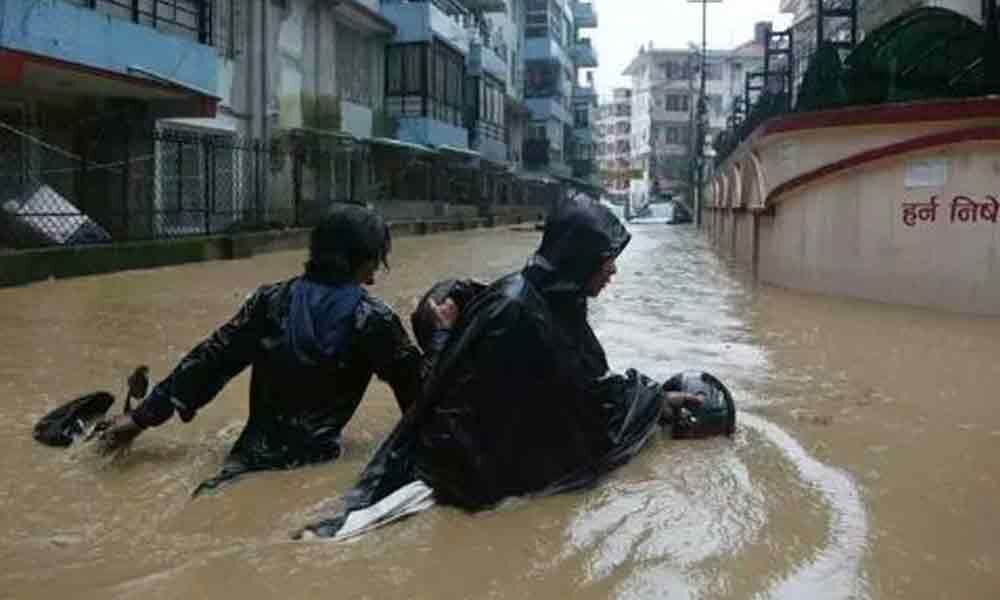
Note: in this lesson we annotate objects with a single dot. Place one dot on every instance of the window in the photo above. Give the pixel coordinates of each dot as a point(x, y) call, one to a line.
point(406, 86)
point(355, 57)
point(487, 101)
point(678, 102)
point(190, 19)
point(713, 71)
point(581, 118)
point(674, 70)
point(230, 30)
point(542, 79)
point(448, 90)
point(536, 20)
point(535, 131)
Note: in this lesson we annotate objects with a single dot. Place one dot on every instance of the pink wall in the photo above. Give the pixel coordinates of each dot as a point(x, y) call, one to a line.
point(832, 201)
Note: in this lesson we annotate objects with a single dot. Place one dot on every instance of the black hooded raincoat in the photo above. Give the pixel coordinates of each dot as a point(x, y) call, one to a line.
point(313, 348)
point(521, 400)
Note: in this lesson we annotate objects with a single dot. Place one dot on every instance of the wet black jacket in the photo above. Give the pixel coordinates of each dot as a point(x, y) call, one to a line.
point(521, 401)
point(313, 350)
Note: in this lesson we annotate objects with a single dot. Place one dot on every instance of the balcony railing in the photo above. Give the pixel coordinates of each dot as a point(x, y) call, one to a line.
point(584, 92)
point(187, 18)
point(584, 14)
point(486, 6)
point(584, 54)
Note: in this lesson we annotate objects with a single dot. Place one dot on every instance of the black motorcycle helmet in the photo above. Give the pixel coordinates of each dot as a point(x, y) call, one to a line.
point(462, 291)
point(715, 416)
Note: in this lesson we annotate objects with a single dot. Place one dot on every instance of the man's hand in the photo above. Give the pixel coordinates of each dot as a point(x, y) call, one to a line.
point(445, 314)
point(116, 434)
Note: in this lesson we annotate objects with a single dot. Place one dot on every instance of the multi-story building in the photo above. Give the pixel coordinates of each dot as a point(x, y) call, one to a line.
point(583, 149)
point(374, 99)
point(81, 77)
point(665, 88)
point(554, 53)
point(614, 129)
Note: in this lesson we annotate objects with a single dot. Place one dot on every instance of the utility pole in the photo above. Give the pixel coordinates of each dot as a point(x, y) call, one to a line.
point(702, 125)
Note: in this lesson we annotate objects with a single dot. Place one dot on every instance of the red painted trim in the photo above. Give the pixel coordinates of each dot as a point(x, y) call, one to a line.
point(209, 107)
point(883, 114)
point(25, 57)
point(11, 68)
point(948, 138)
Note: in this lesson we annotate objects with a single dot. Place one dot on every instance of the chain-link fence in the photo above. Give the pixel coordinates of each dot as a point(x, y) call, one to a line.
point(164, 183)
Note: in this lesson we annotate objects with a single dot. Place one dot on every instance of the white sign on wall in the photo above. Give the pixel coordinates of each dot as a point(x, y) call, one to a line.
point(926, 172)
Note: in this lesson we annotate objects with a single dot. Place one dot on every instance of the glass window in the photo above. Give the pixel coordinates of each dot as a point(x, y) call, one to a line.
point(394, 73)
point(355, 56)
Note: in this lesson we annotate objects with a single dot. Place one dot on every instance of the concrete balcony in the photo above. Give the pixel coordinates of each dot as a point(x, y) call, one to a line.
point(546, 48)
point(487, 6)
point(431, 132)
point(421, 21)
point(483, 59)
point(584, 54)
point(108, 55)
point(548, 108)
point(584, 14)
point(584, 94)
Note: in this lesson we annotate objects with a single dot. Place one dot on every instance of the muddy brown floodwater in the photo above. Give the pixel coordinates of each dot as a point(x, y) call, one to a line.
point(866, 464)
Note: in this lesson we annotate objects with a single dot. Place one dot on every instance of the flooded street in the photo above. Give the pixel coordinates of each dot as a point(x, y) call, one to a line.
point(866, 465)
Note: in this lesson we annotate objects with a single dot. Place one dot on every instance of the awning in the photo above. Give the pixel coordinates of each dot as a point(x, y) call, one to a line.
point(400, 145)
point(359, 16)
point(170, 81)
point(463, 152)
point(56, 78)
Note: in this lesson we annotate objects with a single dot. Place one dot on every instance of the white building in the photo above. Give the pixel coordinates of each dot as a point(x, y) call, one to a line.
point(665, 88)
point(614, 130)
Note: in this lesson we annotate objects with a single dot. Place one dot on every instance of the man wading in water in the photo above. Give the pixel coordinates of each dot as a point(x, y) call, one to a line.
point(313, 341)
point(521, 400)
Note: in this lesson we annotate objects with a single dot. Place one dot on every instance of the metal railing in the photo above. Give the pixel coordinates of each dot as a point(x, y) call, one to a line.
point(189, 18)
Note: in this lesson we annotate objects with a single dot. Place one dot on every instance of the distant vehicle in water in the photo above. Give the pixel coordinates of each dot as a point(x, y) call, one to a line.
point(680, 215)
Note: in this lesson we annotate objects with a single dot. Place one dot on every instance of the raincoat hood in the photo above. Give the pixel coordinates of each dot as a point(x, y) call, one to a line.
point(578, 238)
point(320, 320)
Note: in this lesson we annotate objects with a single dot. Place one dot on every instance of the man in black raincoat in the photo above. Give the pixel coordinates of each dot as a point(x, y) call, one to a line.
point(521, 400)
point(314, 342)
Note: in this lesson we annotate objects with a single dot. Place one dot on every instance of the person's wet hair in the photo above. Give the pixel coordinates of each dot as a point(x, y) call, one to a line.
point(350, 236)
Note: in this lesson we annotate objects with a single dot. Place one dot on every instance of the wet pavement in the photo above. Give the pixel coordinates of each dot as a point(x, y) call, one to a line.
point(866, 463)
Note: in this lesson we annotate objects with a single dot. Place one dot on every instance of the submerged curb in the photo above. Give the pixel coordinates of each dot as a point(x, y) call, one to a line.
point(19, 267)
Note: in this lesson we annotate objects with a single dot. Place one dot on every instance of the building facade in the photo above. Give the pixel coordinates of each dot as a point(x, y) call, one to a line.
point(226, 108)
point(555, 53)
point(664, 95)
point(614, 130)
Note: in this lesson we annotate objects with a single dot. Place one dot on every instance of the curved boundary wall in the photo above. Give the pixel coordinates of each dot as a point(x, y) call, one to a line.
point(893, 203)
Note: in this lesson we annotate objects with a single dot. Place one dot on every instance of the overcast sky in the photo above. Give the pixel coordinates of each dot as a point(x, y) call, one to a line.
point(624, 25)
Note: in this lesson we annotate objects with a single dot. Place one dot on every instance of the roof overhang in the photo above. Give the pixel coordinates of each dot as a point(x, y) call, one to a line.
point(360, 16)
point(58, 79)
point(401, 146)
